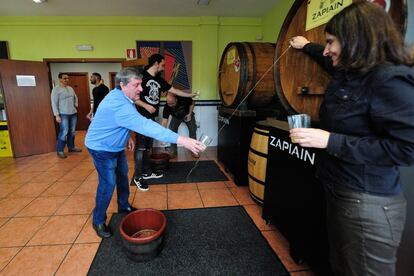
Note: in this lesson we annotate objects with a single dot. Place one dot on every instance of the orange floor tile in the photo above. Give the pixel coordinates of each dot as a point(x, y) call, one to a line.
point(46, 205)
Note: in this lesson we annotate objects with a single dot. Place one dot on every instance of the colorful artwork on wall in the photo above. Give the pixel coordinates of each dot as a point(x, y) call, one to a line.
point(178, 60)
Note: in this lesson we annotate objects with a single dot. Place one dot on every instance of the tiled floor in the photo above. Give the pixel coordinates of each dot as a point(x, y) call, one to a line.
point(46, 205)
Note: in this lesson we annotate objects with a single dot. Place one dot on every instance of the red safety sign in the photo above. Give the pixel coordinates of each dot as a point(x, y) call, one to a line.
point(131, 54)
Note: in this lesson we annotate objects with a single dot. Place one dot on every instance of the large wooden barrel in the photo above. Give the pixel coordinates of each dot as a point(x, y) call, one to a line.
point(300, 82)
point(242, 65)
point(257, 162)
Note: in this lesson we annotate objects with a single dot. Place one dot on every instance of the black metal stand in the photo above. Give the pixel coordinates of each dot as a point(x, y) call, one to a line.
point(234, 141)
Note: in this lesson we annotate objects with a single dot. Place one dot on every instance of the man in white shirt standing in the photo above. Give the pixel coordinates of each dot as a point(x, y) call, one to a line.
point(64, 104)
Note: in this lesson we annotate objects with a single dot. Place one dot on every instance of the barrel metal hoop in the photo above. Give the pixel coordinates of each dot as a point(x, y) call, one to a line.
point(261, 131)
point(258, 200)
point(254, 64)
point(255, 179)
point(244, 72)
point(221, 63)
point(258, 152)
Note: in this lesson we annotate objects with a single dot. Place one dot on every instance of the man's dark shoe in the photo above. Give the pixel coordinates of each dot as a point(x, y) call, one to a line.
point(61, 154)
point(102, 230)
point(141, 183)
point(75, 150)
point(127, 210)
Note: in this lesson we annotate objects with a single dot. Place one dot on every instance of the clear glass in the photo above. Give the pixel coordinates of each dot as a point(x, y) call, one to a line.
point(299, 121)
point(205, 139)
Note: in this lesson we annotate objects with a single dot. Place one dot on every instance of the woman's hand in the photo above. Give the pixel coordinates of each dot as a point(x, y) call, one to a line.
point(298, 42)
point(310, 137)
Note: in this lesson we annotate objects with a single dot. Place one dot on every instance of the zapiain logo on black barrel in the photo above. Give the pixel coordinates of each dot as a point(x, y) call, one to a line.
point(292, 149)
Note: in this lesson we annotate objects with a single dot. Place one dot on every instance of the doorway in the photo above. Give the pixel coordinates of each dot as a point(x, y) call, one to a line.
point(76, 69)
point(79, 81)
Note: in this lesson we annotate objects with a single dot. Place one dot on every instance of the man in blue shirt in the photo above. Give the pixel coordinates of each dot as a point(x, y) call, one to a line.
point(107, 137)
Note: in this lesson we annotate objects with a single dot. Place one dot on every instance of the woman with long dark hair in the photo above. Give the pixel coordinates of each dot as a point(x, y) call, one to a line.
point(367, 129)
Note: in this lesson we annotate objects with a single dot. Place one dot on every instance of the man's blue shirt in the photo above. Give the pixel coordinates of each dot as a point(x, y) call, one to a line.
point(115, 117)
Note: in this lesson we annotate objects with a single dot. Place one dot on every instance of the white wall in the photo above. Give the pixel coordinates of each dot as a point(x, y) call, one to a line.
point(206, 120)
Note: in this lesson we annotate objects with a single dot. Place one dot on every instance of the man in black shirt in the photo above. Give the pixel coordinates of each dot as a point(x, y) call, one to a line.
point(147, 105)
point(98, 92)
point(181, 111)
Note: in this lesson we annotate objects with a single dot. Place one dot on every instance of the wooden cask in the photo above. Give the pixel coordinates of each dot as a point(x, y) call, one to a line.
point(257, 162)
point(242, 65)
point(299, 81)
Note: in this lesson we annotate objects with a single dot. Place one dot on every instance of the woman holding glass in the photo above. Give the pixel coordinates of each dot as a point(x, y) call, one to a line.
point(367, 129)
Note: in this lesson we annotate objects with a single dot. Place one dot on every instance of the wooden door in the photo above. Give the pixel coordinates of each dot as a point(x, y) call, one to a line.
point(80, 83)
point(112, 76)
point(29, 111)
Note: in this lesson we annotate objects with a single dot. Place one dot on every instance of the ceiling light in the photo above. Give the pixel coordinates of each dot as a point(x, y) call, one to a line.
point(203, 2)
point(39, 1)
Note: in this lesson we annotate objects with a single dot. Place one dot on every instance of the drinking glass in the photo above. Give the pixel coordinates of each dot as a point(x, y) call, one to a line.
point(205, 139)
point(299, 121)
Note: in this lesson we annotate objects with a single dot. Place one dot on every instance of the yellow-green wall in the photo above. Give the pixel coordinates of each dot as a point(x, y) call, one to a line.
point(273, 20)
point(36, 38)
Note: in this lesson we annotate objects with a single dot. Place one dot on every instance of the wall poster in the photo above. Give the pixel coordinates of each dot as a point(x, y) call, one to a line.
point(178, 60)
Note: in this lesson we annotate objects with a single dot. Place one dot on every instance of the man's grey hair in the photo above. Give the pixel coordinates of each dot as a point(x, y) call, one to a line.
point(126, 74)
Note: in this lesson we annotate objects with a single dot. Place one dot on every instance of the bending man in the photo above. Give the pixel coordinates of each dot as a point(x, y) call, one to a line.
point(107, 137)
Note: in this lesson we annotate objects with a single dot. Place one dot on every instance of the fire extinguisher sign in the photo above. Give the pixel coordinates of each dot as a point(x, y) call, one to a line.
point(131, 54)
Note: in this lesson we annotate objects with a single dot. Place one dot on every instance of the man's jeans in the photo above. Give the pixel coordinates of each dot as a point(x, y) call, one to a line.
point(67, 130)
point(175, 124)
point(143, 147)
point(112, 168)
